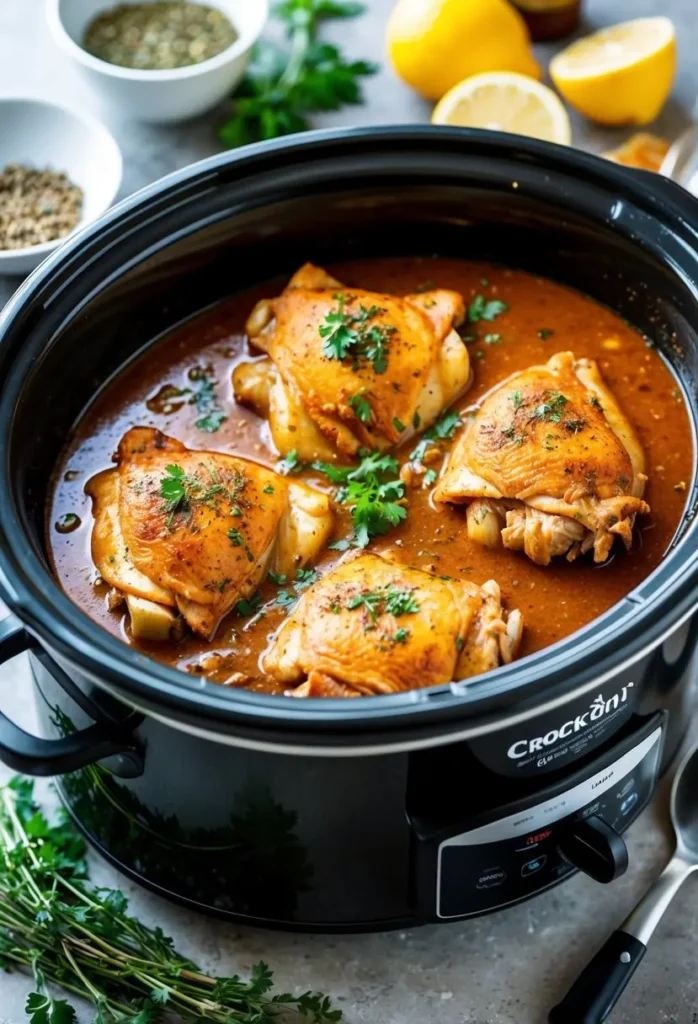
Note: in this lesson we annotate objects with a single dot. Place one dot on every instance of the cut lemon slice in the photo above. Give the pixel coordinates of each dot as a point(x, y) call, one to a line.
point(505, 102)
point(620, 75)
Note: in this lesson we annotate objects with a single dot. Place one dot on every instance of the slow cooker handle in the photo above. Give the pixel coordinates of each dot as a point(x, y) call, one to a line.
point(33, 755)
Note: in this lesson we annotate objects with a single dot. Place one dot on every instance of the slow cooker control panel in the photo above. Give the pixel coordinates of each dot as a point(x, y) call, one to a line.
point(515, 855)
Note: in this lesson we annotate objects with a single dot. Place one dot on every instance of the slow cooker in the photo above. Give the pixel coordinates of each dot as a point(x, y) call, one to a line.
point(377, 812)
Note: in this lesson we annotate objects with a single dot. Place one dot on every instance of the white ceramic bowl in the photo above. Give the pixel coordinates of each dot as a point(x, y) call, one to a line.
point(44, 135)
point(160, 96)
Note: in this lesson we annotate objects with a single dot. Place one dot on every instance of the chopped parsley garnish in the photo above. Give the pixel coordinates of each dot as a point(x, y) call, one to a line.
point(206, 402)
point(399, 426)
point(400, 636)
point(492, 339)
point(416, 421)
point(545, 332)
point(387, 600)
point(372, 491)
point(485, 309)
point(180, 491)
point(249, 605)
point(277, 578)
point(517, 400)
point(443, 430)
point(291, 464)
point(285, 598)
point(553, 408)
point(268, 489)
point(235, 537)
point(350, 334)
point(429, 477)
point(361, 407)
point(596, 403)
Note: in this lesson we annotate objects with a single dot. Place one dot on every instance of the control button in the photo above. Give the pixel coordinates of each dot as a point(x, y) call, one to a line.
point(491, 878)
point(628, 804)
point(626, 788)
point(533, 866)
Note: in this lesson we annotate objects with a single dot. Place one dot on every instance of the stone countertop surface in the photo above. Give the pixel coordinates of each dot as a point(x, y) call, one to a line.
point(509, 968)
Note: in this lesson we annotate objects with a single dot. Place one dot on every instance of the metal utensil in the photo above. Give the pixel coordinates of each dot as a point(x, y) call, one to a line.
point(680, 162)
point(601, 983)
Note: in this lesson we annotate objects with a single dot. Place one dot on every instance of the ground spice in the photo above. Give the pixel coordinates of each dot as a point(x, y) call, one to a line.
point(158, 36)
point(36, 206)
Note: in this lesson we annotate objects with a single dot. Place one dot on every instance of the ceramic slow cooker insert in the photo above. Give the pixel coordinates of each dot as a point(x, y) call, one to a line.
point(429, 805)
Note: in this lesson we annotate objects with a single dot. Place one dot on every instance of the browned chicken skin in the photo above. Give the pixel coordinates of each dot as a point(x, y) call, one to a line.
point(548, 464)
point(198, 530)
point(403, 364)
point(374, 626)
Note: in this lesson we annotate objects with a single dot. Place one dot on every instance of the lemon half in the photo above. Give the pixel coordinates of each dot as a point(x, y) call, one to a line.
point(620, 75)
point(506, 102)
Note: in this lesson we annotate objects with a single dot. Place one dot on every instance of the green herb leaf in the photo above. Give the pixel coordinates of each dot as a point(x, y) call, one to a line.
point(361, 407)
point(552, 408)
point(235, 537)
point(291, 464)
point(443, 430)
point(248, 605)
point(206, 402)
point(485, 309)
point(349, 334)
point(41, 1009)
point(372, 498)
point(281, 88)
point(545, 332)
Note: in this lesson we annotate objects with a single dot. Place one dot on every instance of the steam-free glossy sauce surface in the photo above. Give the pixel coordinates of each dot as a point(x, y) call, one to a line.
point(542, 318)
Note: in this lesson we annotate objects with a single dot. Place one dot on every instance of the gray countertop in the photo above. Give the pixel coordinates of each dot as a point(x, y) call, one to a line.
point(505, 969)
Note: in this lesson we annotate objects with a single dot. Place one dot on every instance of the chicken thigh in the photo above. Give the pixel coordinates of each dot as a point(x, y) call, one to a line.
point(373, 626)
point(548, 465)
point(196, 531)
point(347, 369)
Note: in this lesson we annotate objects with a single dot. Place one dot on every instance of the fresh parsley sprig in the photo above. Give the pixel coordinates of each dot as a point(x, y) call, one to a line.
point(281, 88)
point(73, 936)
point(373, 492)
point(352, 334)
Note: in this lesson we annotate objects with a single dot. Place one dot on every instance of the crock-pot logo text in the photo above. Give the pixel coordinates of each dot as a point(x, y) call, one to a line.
point(599, 708)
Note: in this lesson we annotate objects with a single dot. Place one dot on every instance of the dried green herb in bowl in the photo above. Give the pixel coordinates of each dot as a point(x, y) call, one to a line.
point(36, 206)
point(158, 36)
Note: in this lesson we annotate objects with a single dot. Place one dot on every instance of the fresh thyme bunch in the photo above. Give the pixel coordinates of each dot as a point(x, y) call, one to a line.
point(80, 939)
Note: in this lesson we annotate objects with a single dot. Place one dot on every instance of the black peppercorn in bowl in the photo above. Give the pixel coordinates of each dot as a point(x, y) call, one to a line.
point(433, 804)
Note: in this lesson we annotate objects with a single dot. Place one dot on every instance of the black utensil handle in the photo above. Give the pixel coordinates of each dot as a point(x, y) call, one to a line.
point(598, 988)
point(34, 755)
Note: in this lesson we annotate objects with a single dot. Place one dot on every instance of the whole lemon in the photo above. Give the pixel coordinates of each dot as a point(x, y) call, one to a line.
point(433, 44)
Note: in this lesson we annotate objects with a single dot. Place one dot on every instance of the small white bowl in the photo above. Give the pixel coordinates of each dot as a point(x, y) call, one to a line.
point(42, 135)
point(160, 96)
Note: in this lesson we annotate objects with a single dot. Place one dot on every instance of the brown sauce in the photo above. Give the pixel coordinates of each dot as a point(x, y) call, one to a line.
point(542, 318)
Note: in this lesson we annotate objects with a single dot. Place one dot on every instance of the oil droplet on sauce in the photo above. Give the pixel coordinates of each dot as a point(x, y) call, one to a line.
point(68, 523)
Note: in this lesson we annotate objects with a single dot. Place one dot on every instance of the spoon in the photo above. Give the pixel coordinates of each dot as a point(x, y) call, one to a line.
point(601, 983)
